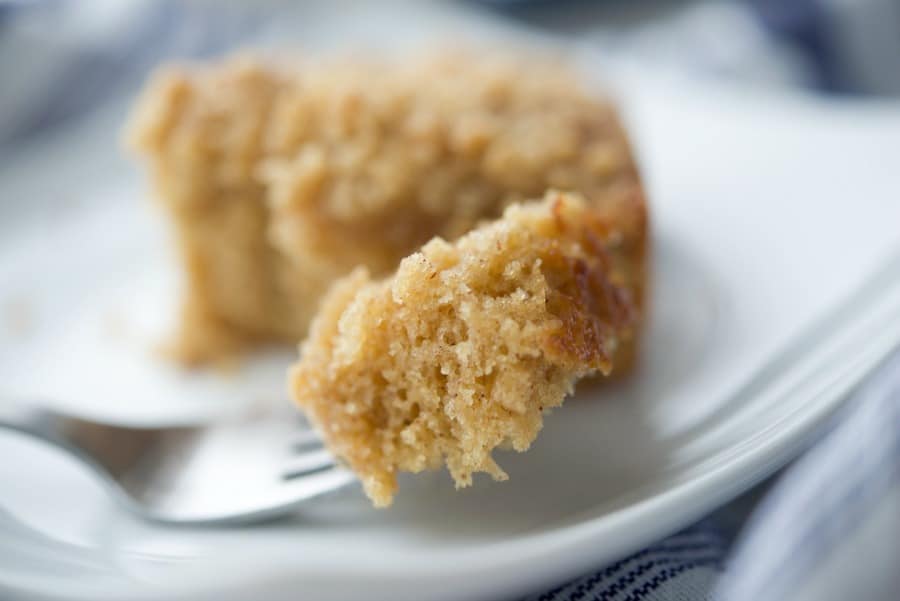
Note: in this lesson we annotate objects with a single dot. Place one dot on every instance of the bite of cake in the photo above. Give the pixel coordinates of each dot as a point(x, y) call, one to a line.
point(465, 347)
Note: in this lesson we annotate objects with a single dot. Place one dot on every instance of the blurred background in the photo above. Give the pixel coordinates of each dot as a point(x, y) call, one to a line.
point(61, 60)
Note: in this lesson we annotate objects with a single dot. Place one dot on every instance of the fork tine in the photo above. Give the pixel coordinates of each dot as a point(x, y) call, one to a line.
point(308, 463)
point(306, 440)
point(325, 482)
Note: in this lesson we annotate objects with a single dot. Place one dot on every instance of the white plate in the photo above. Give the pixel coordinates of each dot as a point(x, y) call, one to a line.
point(766, 213)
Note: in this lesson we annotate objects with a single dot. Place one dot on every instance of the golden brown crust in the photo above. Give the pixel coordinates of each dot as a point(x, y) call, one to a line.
point(283, 177)
point(467, 344)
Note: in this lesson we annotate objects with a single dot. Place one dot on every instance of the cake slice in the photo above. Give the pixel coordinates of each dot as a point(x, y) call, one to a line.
point(464, 348)
point(281, 176)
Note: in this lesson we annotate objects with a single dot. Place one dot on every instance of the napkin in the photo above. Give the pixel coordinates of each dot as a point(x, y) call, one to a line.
point(827, 530)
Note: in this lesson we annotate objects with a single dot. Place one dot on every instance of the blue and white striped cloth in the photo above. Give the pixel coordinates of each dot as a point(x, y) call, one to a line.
point(685, 566)
point(828, 530)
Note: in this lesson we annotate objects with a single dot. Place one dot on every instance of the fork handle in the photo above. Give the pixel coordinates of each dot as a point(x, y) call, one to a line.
point(75, 435)
point(36, 421)
point(112, 448)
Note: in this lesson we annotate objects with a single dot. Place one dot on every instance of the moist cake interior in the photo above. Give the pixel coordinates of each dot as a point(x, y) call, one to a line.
point(469, 343)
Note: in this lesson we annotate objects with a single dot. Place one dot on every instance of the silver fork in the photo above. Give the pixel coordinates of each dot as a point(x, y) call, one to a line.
point(247, 469)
